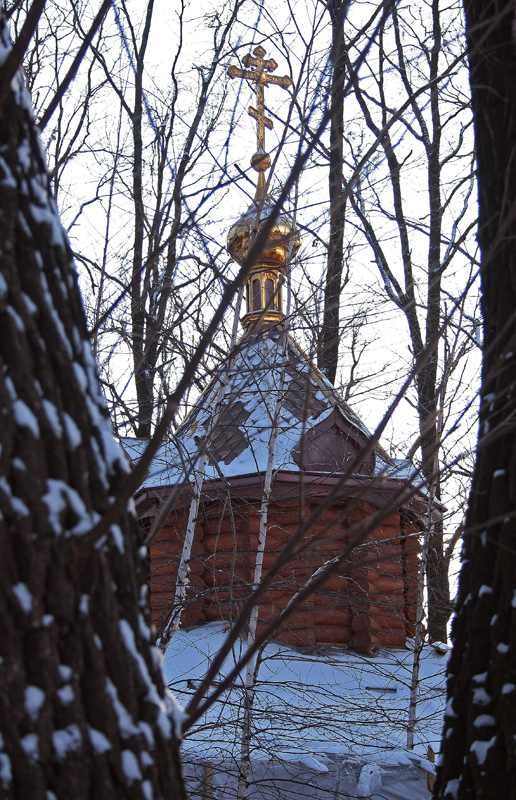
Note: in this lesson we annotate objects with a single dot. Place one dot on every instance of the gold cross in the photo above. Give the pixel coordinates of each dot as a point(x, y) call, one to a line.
point(260, 77)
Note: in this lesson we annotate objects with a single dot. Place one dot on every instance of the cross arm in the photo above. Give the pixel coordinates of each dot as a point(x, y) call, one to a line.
point(285, 82)
point(256, 114)
point(236, 72)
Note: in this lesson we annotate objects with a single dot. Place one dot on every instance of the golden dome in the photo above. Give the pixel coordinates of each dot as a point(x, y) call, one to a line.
point(275, 253)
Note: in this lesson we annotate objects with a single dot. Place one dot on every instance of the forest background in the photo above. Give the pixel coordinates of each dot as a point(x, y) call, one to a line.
point(433, 310)
point(148, 151)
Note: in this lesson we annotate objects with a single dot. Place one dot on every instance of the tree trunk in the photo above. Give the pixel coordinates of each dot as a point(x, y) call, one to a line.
point(83, 709)
point(479, 734)
point(329, 347)
point(406, 298)
point(143, 377)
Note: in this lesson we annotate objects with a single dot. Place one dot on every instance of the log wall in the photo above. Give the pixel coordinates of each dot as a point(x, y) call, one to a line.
point(370, 603)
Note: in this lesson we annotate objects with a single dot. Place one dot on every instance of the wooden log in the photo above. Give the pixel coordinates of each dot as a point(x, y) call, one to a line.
point(192, 618)
point(164, 549)
point(300, 619)
point(334, 633)
point(224, 526)
point(322, 634)
point(337, 583)
point(284, 518)
point(278, 537)
point(331, 598)
point(195, 583)
point(389, 585)
point(392, 521)
point(159, 600)
point(389, 638)
point(332, 616)
point(266, 611)
point(365, 642)
point(413, 559)
point(223, 560)
point(220, 578)
point(331, 516)
point(381, 604)
point(360, 513)
point(217, 613)
point(411, 596)
point(389, 618)
point(169, 569)
point(225, 542)
point(300, 638)
point(196, 567)
point(376, 622)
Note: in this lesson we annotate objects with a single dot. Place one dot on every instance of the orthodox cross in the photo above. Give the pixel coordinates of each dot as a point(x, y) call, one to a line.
point(259, 76)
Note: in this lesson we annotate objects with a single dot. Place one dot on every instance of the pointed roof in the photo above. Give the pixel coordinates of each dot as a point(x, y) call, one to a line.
point(316, 432)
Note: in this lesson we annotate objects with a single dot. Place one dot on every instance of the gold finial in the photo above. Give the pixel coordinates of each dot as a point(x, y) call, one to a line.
point(260, 77)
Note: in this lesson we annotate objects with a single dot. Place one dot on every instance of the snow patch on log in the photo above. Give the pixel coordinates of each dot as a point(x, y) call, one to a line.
point(118, 538)
point(99, 742)
point(130, 766)
point(72, 431)
point(24, 596)
point(25, 418)
point(6, 774)
point(52, 415)
point(65, 672)
point(30, 745)
point(58, 498)
point(34, 699)
point(125, 721)
point(47, 216)
point(9, 181)
point(66, 695)
point(18, 322)
point(484, 720)
point(67, 740)
point(480, 749)
point(481, 697)
point(452, 788)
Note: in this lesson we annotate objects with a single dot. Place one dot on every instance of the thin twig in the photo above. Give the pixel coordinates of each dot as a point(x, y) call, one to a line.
point(70, 75)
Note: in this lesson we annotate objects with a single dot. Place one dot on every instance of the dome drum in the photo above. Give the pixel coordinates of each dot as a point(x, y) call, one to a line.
point(263, 291)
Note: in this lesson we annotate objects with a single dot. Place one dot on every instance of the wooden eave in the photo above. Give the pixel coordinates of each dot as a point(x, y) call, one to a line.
point(286, 486)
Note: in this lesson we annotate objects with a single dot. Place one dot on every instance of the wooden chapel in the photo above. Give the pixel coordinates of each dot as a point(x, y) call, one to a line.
point(263, 446)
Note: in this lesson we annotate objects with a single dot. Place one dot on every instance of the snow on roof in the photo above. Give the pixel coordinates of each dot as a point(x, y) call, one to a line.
point(311, 707)
point(259, 377)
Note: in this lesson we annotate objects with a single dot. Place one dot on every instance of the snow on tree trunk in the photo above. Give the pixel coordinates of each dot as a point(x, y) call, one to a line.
point(83, 709)
point(479, 746)
point(418, 644)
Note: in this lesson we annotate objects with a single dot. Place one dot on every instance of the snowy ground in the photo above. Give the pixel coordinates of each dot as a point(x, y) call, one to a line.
point(332, 720)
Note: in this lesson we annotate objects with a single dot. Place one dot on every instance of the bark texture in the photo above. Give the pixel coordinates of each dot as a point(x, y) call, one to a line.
point(479, 744)
point(330, 333)
point(83, 709)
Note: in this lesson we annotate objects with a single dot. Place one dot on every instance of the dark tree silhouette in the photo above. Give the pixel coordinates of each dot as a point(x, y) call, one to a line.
point(478, 751)
point(83, 709)
point(330, 333)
